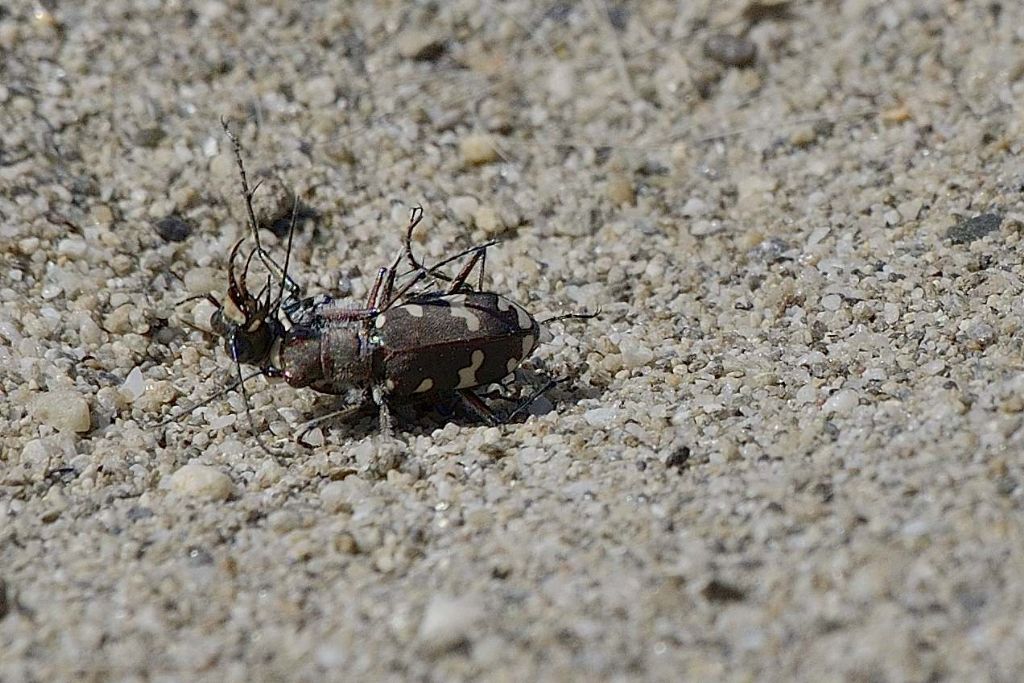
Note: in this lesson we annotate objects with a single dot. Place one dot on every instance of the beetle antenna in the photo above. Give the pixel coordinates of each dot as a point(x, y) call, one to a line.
point(288, 253)
point(570, 316)
point(247, 194)
point(206, 401)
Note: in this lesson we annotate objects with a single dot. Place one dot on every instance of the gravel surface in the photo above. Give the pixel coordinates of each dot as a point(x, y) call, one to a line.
point(789, 447)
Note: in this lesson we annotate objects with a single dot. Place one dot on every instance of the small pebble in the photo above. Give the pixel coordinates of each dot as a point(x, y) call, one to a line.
point(831, 302)
point(974, 228)
point(319, 91)
point(730, 50)
point(841, 402)
point(478, 148)
point(802, 135)
point(420, 45)
point(64, 410)
point(601, 417)
point(463, 208)
point(283, 521)
point(752, 190)
point(203, 280)
point(148, 138)
point(620, 190)
point(561, 82)
point(75, 247)
point(636, 355)
point(695, 207)
point(201, 481)
point(134, 385)
point(336, 496)
point(448, 622)
point(173, 229)
point(488, 220)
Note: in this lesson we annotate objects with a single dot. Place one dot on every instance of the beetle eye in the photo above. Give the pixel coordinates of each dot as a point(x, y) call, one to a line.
point(217, 324)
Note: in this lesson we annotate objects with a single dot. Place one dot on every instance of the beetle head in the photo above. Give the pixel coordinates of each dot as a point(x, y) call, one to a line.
point(248, 324)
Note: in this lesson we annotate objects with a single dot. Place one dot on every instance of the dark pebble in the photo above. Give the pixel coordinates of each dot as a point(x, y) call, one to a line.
point(149, 137)
point(974, 228)
point(173, 229)
point(730, 50)
point(136, 513)
point(719, 591)
point(678, 458)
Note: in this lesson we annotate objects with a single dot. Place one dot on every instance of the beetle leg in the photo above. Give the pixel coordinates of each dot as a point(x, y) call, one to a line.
point(415, 216)
point(476, 407)
point(479, 256)
point(384, 417)
point(386, 299)
point(550, 384)
point(371, 300)
point(379, 393)
point(343, 414)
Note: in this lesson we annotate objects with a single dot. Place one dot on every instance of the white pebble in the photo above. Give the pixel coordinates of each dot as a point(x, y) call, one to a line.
point(561, 82)
point(65, 410)
point(201, 481)
point(317, 92)
point(336, 496)
point(831, 302)
point(695, 207)
point(134, 385)
point(203, 280)
point(753, 190)
point(636, 355)
point(463, 208)
point(478, 148)
point(488, 220)
point(223, 421)
point(72, 246)
point(283, 521)
point(841, 402)
point(448, 622)
point(601, 417)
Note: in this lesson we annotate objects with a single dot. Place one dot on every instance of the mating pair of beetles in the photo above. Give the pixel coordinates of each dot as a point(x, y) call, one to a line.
point(434, 339)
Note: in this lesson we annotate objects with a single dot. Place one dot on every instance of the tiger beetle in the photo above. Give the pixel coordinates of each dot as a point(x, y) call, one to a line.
point(435, 345)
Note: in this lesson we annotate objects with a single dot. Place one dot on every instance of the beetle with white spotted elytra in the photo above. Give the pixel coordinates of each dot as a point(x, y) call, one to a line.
point(401, 346)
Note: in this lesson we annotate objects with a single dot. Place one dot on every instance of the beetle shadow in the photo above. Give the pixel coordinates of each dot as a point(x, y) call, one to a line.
point(423, 418)
point(563, 392)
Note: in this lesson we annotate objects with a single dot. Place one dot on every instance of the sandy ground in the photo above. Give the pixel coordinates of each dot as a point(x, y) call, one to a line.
point(790, 446)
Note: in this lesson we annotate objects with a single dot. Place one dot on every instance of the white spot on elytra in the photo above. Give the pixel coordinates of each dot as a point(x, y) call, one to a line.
point(425, 385)
point(390, 384)
point(415, 310)
point(379, 323)
point(467, 376)
point(527, 345)
point(503, 304)
point(525, 321)
point(472, 321)
point(511, 364)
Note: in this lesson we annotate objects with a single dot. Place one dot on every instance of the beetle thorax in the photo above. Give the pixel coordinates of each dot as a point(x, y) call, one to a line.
point(332, 359)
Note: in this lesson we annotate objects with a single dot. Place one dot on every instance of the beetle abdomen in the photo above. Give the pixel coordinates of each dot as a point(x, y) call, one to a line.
point(436, 344)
